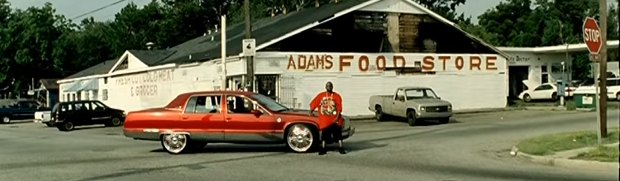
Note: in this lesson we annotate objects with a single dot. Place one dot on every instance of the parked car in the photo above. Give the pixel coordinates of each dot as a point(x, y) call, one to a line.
point(546, 91)
point(66, 115)
point(413, 103)
point(192, 120)
point(23, 109)
point(613, 89)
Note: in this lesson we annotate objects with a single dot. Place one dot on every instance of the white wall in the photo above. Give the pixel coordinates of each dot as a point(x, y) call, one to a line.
point(465, 88)
point(535, 62)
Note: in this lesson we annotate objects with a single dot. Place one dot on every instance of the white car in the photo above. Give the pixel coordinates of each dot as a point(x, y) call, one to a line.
point(613, 89)
point(546, 91)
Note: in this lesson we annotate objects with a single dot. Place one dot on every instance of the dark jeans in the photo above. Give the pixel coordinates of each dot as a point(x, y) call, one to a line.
point(332, 133)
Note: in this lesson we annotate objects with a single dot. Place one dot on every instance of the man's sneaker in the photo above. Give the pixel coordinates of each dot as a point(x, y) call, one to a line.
point(342, 151)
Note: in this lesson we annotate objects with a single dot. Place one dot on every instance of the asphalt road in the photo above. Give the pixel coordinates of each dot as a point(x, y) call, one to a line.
point(471, 147)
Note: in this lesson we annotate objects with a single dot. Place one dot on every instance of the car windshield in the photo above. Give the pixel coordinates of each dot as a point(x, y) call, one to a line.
point(269, 103)
point(420, 94)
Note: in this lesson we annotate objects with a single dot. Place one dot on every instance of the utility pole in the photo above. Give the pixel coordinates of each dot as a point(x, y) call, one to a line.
point(223, 44)
point(603, 69)
point(249, 59)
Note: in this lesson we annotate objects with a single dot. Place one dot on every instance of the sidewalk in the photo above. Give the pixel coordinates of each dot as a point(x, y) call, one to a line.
point(562, 159)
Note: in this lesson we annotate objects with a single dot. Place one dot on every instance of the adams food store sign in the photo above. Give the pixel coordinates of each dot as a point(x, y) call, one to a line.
point(341, 62)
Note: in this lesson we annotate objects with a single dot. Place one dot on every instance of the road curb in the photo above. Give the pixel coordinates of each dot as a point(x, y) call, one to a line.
point(569, 163)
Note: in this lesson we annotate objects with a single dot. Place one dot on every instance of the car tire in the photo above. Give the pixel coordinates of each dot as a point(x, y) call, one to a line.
point(379, 115)
point(618, 96)
point(115, 122)
point(6, 120)
point(554, 96)
point(66, 126)
point(411, 119)
point(175, 143)
point(527, 98)
point(301, 138)
point(444, 120)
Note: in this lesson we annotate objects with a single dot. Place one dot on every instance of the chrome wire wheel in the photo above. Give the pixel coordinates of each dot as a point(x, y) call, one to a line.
point(174, 143)
point(300, 138)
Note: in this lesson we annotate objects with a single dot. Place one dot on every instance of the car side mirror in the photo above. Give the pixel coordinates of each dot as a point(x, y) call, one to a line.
point(256, 112)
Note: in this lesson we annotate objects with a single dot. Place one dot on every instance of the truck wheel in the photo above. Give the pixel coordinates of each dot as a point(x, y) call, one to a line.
point(411, 118)
point(379, 113)
point(115, 122)
point(6, 120)
point(66, 126)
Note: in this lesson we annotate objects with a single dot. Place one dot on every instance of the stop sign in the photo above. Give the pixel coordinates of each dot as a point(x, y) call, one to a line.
point(592, 35)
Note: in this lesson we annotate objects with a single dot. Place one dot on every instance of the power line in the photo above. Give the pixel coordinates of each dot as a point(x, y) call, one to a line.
point(98, 9)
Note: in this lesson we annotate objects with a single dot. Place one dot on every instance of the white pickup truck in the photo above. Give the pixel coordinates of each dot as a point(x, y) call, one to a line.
point(43, 116)
point(413, 103)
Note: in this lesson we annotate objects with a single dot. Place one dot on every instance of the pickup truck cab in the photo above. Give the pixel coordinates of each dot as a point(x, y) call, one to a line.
point(413, 103)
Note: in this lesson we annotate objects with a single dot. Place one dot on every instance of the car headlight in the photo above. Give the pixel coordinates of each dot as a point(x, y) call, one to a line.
point(422, 109)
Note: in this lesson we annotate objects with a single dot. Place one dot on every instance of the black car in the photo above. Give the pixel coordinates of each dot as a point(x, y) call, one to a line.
point(67, 115)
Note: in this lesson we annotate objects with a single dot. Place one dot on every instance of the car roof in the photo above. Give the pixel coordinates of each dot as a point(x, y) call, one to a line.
point(414, 87)
point(245, 93)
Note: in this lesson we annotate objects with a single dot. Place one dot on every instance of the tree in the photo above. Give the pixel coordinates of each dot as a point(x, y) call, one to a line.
point(28, 44)
point(542, 23)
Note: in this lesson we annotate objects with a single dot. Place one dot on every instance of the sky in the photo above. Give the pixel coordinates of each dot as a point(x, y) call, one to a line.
point(73, 8)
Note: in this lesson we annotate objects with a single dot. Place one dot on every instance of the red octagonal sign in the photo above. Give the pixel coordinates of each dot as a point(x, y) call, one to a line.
point(592, 35)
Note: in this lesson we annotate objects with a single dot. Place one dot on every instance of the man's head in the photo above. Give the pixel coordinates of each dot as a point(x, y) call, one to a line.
point(329, 87)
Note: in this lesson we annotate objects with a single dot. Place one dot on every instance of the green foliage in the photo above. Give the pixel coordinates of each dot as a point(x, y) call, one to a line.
point(527, 23)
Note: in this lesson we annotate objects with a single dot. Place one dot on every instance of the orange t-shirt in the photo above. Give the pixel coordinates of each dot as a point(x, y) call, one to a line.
point(330, 105)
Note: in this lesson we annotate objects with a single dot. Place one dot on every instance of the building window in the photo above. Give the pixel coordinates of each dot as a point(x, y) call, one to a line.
point(104, 94)
point(86, 95)
point(545, 74)
point(105, 80)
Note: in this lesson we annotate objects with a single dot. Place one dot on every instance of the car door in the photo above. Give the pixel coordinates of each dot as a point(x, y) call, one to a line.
point(99, 114)
point(25, 110)
point(203, 117)
point(540, 92)
point(79, 115)
point(248, 122)
point(398, 104)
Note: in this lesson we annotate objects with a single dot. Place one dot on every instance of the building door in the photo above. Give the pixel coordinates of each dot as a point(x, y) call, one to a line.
point(516, 76)
point(267, 85)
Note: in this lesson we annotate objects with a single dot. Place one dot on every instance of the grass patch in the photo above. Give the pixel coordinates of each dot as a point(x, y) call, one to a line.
point(549, 144)
point(602, 153)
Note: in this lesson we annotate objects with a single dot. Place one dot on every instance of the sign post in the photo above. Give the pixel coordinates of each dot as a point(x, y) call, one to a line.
point(595, 41)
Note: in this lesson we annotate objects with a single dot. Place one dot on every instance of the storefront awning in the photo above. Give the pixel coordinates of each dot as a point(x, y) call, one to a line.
point(83, 85)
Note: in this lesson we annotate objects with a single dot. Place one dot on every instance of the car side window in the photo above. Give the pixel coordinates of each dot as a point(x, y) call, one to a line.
point(400, 95)
point(96, 106)
point(540, 88)
point(238, 104)
point(203, 104)
point(191, 105)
